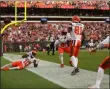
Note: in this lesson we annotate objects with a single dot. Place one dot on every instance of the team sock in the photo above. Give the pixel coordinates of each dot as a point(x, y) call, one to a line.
point(100, 75)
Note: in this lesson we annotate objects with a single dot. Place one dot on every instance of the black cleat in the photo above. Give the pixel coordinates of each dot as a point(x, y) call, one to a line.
point(76, 70)
point(35, 65)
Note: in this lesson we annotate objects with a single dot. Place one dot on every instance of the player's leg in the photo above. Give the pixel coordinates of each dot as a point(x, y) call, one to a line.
point(6, 66)
point(74, 56)
point(61, 51)
point(75, 47)
point(71, 52)
point(61, 60)
point(18, 66)
point(103, 66)
point(75, 61)
point(67, 50)
point(10, 68)
point(15, 65)
point(14, 68)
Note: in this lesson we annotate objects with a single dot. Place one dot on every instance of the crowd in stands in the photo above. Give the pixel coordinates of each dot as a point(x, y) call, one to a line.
point(81, 4)
point(33, 32)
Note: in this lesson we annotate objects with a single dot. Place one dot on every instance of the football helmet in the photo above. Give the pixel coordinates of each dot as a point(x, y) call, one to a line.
point(64, 32)
point(76, 19)
point(34, 52)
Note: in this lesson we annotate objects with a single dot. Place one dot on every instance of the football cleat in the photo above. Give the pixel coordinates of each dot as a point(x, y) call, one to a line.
point(76, 70)
point(94, 87)
point(35, 65)
point(61, 65)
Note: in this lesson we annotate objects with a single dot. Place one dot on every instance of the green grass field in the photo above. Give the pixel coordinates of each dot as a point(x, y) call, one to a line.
point(23, 79)
point(26, 79)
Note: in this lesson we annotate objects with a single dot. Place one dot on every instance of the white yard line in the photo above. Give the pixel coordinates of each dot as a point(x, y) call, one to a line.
point(61, 76)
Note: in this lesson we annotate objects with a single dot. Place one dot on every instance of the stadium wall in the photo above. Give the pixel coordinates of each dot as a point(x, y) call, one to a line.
point(55, 18)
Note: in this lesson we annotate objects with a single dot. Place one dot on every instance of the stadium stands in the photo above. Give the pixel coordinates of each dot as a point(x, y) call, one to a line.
point(32, 32)
point(93, 14)
point(79, 7)
point(61, 4)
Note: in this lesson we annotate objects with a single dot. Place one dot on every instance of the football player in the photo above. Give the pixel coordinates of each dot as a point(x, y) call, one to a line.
point(104, 65)
point(77, 32)
point(63, 45)
point(21, 64)
point(31, 54)
point(92, 45)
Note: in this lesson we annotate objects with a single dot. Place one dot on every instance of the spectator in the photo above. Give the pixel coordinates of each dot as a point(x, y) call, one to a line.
point(30, 32)
point(51, 47)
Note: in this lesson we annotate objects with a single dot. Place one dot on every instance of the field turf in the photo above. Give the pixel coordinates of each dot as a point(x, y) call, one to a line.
point(25, 79)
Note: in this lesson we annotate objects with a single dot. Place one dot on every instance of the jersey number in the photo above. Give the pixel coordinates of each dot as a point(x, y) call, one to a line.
point(26, 62)
point(78, 30)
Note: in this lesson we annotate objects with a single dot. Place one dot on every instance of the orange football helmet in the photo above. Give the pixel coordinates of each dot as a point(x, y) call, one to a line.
point(34, 52)
point(76, 19)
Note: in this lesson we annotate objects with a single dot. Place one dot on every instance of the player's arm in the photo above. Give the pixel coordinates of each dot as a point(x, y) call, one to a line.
point(104, 44)
point(100, 46)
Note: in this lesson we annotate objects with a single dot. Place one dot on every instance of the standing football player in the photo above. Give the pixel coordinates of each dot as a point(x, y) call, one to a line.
point(63, 45)
point(76, 32)
point(104, 65)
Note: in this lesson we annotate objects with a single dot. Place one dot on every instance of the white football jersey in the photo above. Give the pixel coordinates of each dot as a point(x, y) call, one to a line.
point(77, 29)
point(27, 61)
point(62, 39)
point(30, 54)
